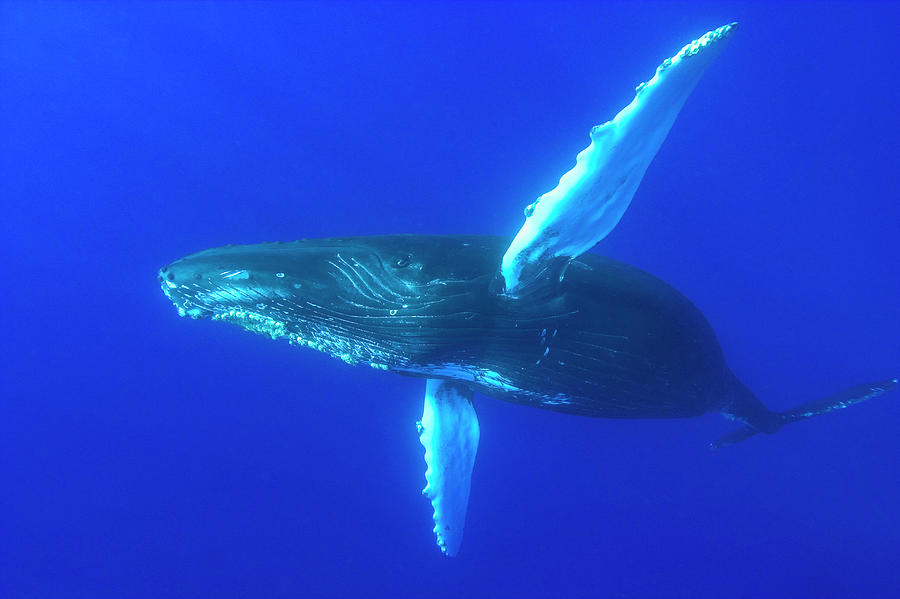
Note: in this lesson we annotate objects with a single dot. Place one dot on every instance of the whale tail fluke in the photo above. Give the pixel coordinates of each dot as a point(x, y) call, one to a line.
point(817, 407)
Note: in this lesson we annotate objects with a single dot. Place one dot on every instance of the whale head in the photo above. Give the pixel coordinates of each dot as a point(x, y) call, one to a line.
point(361, 299)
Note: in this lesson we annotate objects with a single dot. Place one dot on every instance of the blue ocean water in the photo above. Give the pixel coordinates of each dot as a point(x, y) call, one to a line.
point(145, 455)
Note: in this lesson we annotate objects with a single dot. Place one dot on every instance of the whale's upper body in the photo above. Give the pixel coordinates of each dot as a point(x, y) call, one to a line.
point(606, 339)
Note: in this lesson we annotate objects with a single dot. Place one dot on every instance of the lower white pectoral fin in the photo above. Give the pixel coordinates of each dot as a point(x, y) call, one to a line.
point(449, 432)
point(591, 198)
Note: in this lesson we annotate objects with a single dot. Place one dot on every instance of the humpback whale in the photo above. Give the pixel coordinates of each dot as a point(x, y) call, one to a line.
point(535, 320)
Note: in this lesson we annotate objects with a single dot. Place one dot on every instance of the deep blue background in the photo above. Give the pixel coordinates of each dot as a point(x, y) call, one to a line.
point(143, 455)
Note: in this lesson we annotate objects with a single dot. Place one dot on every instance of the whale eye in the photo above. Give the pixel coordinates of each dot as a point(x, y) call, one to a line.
point(402, 261)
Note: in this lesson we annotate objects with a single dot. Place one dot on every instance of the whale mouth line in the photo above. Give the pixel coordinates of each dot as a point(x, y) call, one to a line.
point(204, 301)
point(187, 304)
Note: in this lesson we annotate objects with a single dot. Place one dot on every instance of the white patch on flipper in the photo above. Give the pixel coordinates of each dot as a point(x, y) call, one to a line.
point(449, 432)
point(592, 197)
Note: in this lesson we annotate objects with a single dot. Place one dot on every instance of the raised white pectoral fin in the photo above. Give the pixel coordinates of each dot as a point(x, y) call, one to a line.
point(592, 197)
point(449, 432)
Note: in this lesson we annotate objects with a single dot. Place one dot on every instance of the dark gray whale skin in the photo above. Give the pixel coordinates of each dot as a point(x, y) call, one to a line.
point(594, 337)
point(604, 340)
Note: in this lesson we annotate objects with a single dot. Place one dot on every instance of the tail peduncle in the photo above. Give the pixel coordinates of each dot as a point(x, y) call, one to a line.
point(817, 407)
